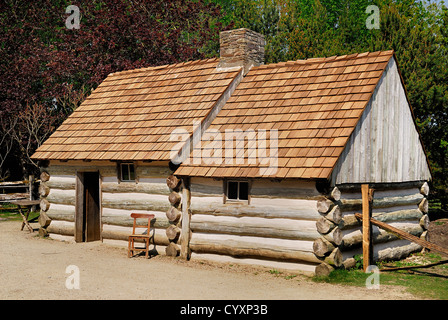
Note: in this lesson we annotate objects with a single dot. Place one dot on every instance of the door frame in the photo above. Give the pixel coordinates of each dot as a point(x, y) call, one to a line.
point(80, 208)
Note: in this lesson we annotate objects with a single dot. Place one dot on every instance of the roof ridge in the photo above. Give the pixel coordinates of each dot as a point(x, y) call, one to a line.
point(165, 66)
point(326, 59)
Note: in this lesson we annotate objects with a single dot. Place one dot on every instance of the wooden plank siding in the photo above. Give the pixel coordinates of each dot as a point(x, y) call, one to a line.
point(385, 146)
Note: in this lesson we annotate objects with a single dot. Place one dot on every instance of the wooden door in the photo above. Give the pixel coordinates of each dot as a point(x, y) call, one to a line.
point(87, 221)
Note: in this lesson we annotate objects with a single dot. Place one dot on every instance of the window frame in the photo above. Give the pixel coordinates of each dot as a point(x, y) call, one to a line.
point(120, 171)
point(238, 200)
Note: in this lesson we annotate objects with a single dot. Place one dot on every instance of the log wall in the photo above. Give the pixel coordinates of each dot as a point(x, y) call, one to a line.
point(404, 206)
point(287, 224)
point(277, 228)
point(148, 194)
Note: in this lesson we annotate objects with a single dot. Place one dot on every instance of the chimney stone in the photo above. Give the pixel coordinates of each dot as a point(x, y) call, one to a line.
point(241, 48)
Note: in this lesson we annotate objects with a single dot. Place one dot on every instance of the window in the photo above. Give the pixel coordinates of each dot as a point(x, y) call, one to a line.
point(127, 172)
point(237, 190)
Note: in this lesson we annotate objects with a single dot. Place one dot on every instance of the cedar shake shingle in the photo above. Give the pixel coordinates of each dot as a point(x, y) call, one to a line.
point(131, 114)
point(314, 104)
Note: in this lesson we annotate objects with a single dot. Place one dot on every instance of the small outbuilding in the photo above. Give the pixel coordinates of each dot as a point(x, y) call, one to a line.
point(264, 162)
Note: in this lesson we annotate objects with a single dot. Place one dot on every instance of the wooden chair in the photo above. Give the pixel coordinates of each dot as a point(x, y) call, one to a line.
point(145, 236)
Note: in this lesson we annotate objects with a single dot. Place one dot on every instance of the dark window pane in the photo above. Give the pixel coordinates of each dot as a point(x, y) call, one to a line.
point(131, 172)
point(124, 172)
point(232, 190)
point(244, 191)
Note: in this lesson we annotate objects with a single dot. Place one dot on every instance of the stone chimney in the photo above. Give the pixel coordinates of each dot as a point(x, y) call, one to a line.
point(241, 48)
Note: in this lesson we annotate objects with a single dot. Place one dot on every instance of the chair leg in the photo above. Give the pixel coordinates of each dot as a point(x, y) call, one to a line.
point(130, 247)
point(147, 248)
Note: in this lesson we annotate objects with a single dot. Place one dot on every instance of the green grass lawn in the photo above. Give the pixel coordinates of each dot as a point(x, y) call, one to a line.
point(9, 211)
point(428, 283)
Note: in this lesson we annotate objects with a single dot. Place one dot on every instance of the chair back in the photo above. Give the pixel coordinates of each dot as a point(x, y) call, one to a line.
point(142, 220)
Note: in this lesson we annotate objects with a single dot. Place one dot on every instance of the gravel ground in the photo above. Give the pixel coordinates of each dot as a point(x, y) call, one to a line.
point(35, 268)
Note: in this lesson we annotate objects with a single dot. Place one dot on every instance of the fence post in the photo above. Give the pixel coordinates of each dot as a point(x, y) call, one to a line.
point(367, 201)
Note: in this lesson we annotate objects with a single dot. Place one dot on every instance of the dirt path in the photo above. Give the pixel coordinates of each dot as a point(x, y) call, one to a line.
point(35, 268)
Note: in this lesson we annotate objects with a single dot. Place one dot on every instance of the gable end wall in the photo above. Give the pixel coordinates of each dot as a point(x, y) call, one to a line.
point(385, 145)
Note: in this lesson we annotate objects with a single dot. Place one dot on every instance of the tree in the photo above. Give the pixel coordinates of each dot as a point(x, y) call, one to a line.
point(46, 66)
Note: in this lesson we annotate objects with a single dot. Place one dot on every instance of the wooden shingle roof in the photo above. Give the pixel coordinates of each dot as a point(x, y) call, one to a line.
point(314, 104)
point(131, 114)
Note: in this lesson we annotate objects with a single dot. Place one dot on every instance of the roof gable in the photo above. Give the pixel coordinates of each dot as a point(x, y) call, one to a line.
point(313, 104)
point(385, 146)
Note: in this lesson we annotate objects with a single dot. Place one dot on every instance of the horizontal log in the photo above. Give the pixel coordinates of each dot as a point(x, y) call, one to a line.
point(335, 194)
point(267, 208)
point(44, 176)
point(135, 201)
point(174, 198)
point(173, 233)
point(424, 222)
point(172, 182)
point(335, 215)
point(407, 236)
point(122, 233)
point(392, 250)
point(302, 268)
point(255, 226)
point(44, 220)
point(43, 190)
point(242, 246)
point(172, 250)
point(335, 258)
point(61, 212)
point(62, 228)
point(353, 239)
point(324, 205)
point(324, 225)
point(356, 204)
point(63, 182)
point(60, 196)
point(260, 188)
point(356, 187)
point(44, 205)
point(334, 236)
point(424, 190)
point(106, 169)
point(322, 247)
point(323, 270)
point(173, 215)
point(132, 187)
point(350, 221)
point(153, 171)
point(424, 205)
point(127, 221)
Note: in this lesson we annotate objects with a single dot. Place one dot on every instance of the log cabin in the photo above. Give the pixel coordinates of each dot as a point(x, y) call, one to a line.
point(242, 161)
